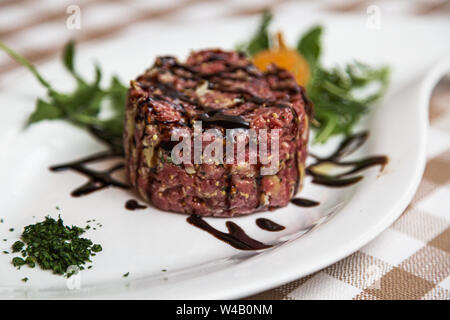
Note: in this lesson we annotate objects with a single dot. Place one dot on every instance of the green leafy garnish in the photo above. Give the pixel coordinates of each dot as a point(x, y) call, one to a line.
point(261, 40)
point(23, 61)
point(310, 47)
point(53, 246)
point(341, 95)
point(334, 92)
point(336, 105)
point(82, 106)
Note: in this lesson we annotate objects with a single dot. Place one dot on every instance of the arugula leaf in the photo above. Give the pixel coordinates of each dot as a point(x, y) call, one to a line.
point(44, 111)
point(337, 107)
point(334, 92)
point(117, 94)
point(83, 105)
point(261, 40)
point(309, 45)
point(23, 61)
point(68, 56)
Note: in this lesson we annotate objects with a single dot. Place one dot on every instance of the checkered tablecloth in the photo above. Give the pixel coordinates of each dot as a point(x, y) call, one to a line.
point(410, 260)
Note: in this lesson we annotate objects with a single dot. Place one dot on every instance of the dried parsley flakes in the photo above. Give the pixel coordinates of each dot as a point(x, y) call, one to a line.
point(53, 246)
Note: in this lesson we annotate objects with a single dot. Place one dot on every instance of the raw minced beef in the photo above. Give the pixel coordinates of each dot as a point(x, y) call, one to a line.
point(224, 90)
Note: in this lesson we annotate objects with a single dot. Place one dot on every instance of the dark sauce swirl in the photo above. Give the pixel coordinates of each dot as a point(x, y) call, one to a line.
point(347, 147)
point(134, 205)
point(302, 202)
point(98, 180)
point(236, 237)
point(269, 225)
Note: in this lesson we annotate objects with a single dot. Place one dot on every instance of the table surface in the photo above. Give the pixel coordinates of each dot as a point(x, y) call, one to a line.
point(409, 260)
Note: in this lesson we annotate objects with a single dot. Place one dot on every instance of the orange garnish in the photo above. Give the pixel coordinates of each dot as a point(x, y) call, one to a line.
point(284, 58)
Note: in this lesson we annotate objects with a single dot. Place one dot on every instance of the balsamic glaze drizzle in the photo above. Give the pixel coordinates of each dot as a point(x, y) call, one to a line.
point(225, 121)
point(236, 121)
point(332, 181)
point(133, 205)
point(269, 225)
point(98, 180)
point(236, 237)
point(302, 202)
point(347, 147)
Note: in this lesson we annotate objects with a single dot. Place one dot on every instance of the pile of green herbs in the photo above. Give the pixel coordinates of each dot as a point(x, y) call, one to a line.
point(53, 246)
point(337, 93)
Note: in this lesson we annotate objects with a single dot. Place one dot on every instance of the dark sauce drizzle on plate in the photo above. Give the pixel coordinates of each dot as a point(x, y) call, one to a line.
point(348, 146)
point(236, 237)
point(134, 205)
point(302, 202)
point(98, 180)
point(269, 225)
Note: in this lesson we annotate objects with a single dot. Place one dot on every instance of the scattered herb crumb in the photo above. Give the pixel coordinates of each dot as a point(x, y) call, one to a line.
point(5, 252)
point(31, 262)
point(17, 246)
point(97, 248)
point(54, 246)
point(1, 220)
point(163, 270)
point(18, 262)
point(126, 274)
point(24, 279)
point(11, 230)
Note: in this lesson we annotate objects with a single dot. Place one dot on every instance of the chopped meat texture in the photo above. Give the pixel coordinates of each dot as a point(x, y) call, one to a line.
point(224, 90)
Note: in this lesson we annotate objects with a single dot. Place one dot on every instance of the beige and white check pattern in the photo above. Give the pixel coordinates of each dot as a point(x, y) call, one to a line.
point(410, 260)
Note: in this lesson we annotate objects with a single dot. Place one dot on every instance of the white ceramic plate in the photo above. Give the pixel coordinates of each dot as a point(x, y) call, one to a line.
point(198, 265)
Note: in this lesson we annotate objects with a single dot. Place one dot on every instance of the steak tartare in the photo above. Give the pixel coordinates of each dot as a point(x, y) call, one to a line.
point(224, 90)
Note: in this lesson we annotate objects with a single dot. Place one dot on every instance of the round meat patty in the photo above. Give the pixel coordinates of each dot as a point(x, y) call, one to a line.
point(224, 91)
